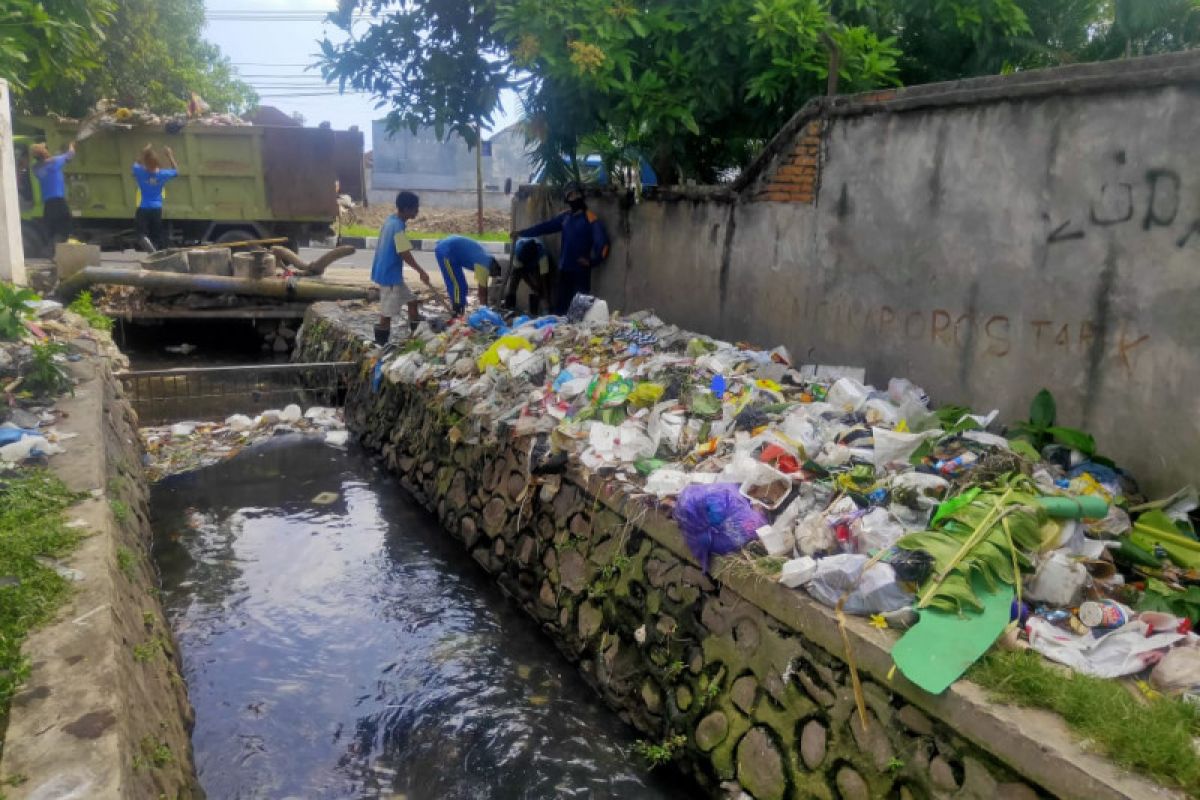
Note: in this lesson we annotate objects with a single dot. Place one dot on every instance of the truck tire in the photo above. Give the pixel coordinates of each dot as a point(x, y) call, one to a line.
point(237, 235)
point(33, 241)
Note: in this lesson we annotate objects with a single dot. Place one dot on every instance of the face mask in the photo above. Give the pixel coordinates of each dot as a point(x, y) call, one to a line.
point(577, 204)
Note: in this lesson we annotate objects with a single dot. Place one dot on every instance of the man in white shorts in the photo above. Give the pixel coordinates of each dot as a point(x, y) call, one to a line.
point(387, 270)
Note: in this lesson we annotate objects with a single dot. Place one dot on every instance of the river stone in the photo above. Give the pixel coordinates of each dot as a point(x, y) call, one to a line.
point(666, 625)
point(572, 571)
point(760, 766)
point(498, 548)
point(747, 635)
point(457, 496)
point(590, 619)
point(470, 533)
point(912, 718)
point(712, 730)
point(652, 697)
point(683, 698)
point(1015, 791)
point(516, 485)
point(546, 595)
point(743, 693)
point(495, 514)
point(851, 785)
point(526, 549)
point(872, 740)
point(977, 780)
point(812, 744)
point(581, 526)
point(942, 775)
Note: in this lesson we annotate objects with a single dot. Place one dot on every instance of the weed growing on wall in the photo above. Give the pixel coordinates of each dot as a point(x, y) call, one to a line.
point(83, 306)
point(31, 527)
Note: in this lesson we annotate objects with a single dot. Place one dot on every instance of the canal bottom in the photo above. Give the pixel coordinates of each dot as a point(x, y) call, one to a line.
point(337, 644)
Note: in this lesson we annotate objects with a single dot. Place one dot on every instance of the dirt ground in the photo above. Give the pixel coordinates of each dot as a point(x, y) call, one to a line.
point(433, 220)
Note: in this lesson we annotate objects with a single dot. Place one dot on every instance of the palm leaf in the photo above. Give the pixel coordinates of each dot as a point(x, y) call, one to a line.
point(987, 536)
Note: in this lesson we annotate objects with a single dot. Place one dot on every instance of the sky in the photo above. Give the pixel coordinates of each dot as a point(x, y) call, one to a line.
point(272, 42)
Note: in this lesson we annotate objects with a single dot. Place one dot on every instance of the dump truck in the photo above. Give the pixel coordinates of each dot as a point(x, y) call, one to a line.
point(235, 182)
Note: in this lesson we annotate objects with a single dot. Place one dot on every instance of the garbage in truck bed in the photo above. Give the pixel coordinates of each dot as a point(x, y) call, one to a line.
point(936, 518)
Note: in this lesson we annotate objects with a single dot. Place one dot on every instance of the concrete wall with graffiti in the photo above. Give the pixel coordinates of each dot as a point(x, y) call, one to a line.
point(985, 238)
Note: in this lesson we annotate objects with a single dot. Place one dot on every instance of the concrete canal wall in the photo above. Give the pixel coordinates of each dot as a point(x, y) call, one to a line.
point(104, 714)
point(983, 238)
point(744, 679)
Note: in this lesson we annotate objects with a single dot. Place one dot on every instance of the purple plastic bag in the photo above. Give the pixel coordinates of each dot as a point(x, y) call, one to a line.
point(716, 519)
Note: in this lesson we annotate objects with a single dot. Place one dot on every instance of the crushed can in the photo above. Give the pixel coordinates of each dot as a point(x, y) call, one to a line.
point(1103, 614)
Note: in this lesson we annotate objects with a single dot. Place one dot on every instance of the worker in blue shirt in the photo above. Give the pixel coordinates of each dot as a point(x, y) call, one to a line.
point(56, 214)
point(584, 246)
point(530, 264)
point(457, 254)
point(151, 180)
point(387, 270)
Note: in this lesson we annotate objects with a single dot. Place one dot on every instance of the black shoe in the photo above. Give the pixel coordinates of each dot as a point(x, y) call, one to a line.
point(382, 335)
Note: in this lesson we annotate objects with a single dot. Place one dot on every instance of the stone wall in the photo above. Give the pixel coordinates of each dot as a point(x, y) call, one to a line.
point(984, 238)
point(749, 674)
point(104, 714)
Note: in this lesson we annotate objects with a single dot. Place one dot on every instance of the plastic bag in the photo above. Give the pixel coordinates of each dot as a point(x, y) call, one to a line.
point(716, 520)
point(597, 313)
point(664, 428)
point(873, 591)
point(1124, 651)
point(501, 349)
point(847, 395)
point(1059, 581)
point(609, 391)
point(580, 305)
point(876, 531)
point(893, 450)
point(485, 318)
point(645, 395)
point(1179, 671)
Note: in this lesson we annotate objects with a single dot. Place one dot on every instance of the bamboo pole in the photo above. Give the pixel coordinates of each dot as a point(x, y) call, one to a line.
point(295, 289)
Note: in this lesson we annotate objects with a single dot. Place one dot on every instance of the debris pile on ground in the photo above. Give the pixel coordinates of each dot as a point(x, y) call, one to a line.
point(432, 220)
point(934, 521)
point(110, 115)
point(38, 339)
point(186, 446)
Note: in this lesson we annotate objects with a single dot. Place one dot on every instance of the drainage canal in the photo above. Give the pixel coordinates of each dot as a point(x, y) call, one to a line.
point(337, 645)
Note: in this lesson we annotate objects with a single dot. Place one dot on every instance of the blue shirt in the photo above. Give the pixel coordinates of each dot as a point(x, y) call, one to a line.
point(462, 253)
point(50, 175)
point(150, 184)
point(541, 261)
point(583, 236)
point(387, 269)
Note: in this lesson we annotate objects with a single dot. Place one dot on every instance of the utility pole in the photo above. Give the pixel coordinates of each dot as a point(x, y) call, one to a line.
point(12, 256)
point(479, 175)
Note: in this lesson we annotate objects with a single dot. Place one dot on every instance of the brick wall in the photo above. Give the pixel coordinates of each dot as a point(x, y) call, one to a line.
point(798, 176)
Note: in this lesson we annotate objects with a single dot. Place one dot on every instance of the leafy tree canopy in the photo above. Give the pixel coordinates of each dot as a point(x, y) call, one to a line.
point(697, 87)
point(145, 53)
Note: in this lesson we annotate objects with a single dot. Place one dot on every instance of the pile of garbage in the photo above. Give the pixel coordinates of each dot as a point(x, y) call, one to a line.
point(187, 446)
point(111, 115)
point(933, 521)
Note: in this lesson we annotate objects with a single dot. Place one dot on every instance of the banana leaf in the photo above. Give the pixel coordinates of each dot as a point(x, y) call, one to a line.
point(985, 538)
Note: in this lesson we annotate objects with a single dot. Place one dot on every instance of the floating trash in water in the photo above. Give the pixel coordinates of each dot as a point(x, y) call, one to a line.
point(325, 498)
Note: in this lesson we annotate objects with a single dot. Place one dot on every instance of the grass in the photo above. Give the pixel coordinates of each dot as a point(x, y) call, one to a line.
point(83, 306)
point(152, 753)
point(31, 525)
point(1154, 737)
point(367, 230)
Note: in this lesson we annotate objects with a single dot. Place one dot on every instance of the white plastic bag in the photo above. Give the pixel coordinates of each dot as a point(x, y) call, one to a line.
point(876, 530)
point(1059, 581)
point(847, 395)
point(1124, 651)
point(893, 450)
point(873, 591)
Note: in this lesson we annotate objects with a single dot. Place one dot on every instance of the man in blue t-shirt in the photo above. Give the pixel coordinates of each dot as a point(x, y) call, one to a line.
point(584, 246)
point(56, 214)
point(457, 254)
point(387, 269)
point(151, 180)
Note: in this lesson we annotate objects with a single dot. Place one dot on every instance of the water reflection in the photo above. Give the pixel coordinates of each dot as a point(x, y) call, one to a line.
point(351, 650)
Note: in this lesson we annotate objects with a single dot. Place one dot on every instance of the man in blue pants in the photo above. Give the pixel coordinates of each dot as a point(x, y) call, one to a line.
point(455, 256)
point(584, 246)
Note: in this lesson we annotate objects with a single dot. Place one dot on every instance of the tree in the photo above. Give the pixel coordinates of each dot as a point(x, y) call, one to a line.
point(42, 41)
point(153, 56)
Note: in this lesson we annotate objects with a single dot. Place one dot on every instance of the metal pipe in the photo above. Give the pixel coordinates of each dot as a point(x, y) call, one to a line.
point(275, 288)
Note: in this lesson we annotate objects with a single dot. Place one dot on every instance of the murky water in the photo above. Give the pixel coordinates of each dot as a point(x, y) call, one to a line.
point(343, 647)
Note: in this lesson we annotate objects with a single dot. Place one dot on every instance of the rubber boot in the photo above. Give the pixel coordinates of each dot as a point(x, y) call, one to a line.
point(382, 335)
point(535, 303)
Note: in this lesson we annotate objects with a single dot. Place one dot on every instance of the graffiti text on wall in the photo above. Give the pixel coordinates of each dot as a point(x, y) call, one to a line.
point(1117, 204)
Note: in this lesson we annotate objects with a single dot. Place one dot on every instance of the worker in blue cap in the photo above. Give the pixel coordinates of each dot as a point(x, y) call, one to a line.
point(585, 246)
